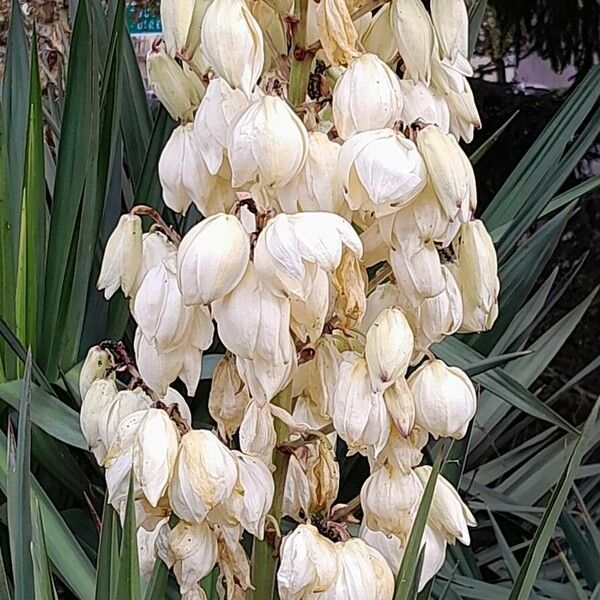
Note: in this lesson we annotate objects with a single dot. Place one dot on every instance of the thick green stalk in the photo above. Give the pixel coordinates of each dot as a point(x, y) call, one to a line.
point(301, 59)
point(264, 563)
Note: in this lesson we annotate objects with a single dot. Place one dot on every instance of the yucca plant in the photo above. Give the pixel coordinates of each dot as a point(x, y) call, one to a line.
point(75, 157)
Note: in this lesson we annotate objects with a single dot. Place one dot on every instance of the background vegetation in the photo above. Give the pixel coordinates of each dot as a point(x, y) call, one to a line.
point(73, 158)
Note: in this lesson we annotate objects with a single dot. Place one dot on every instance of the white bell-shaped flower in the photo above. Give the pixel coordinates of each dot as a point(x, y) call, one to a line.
point(232, 43)
point(448, 515)
point(99, 395)
point(262, 331)
point(383, 296)
point(421, 103)
point(359, 414)
point(415, 37)
point(445, 399)
point(476, 272)
point(180, 21)
point(163, 318)
point(212, 258)
point(388, 348)
point(256, 481)
point(335, 30)
point(228, 397)
point(266, 378)
point(267, 144)
point(363, 573)
point(205, 475)
point(451, 24)
point(147, 551)
point(122, 257)
point(381, 170)
point(402, 452)
point(291, 247)
point(257, 432)
point(156, 247)
point(220, 106)
point(307, 317)
point(366, 96)
point(296, 492)
point(309, 564)
point(390, 500)
point(378, 37)
point(400, 404)
point(98, 364)
point(316, 187)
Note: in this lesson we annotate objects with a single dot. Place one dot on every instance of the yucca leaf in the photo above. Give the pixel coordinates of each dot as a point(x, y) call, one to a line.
point(406, 576)
point(476, 13)
point(4, 585)
point(589, 368)
point(18, 495)
point(479, 153)
point(507, 554)
point(48, 413)
point(75, 162)
point(157, 586)
point(492, 362)
point(580, 190)
point(31, 255)
point(7, 259)
point(44, 587)
point(535, 555)
point(544, 154)
point(585, 552)
point(128, 577)
point(15, 89)
point(457, 457)
point(67, 558)
point(108, 555)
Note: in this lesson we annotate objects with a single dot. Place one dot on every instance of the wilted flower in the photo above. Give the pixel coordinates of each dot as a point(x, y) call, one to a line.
point(448, 516)
point(212, 258)
point(414, 35)
point(267, 144)
point(400, 404)
point(97, 365)
point(367, 96)
point(388, 348)
point(349, 282)
point(445, 399)
point(232, 43)
point(257, 432)
point(381, 170)
point(205, 475)
point(336, 31)
point(122, 257)
point(309, 564)
point(476, 272)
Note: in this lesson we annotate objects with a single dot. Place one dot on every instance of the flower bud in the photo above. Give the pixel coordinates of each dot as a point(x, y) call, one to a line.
point(290, 248)
point(414, 36)
point(154, 453)
point(212, 258)
point(363, 573)
point(181, 20)
point(448, 516)
point(228, 397)
point(367, 96)
point(445, 399)
point(309, 564)
point(381, 170)
point(359, 414)
point(159, 369)
point(257, 432)
point(421, 103)
point(316, 187)
point(205, 475)
point(388, 348)
point(162, 317)
point(122, 257)
point(390, 500)
point(418, 276)
point(232, 43)
point(179, 93)
point(258, 490)
point(267, 144)
point(220, 106)
point(391, 548)
point(476, 272)
point(99, 395)
point(336, 31)
point(97, 365)
point(400, 404)
point(378, 37)
point(262, 331)
point(449, 169)
point(191, 550)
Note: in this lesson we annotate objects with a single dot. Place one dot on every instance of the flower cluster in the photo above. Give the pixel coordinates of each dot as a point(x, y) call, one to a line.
point(330, 240)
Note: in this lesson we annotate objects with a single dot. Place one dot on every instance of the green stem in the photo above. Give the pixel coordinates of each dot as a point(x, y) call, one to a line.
point(264, 561)
point(301, 59)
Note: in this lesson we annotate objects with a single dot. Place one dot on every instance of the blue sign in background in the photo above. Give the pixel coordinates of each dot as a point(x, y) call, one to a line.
point(144, 20)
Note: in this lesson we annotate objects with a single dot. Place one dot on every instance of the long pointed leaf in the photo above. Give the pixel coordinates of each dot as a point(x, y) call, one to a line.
point(108, 555)
point(128, 578)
